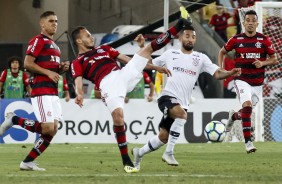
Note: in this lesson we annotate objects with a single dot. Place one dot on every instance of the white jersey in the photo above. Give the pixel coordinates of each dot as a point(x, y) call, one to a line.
point(185, 70)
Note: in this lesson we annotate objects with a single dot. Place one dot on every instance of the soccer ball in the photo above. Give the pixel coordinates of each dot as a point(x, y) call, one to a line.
point(215, 131)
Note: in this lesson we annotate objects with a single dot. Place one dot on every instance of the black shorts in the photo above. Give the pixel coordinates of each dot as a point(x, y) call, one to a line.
point(165, 103)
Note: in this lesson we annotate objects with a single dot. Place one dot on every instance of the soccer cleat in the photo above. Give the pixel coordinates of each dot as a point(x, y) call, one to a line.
point(250, 148)
point(30, 166)
point(7, 123)
point(230, 122)
point(185, 15)
point(169, 159)
point(129, 169)
point(137, 158)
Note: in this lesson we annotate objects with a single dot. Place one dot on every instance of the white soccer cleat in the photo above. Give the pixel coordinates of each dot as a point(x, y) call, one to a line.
point(250, 148)
point(30, 166)
point(230, 122)
point(137, 158)
point(129, 169)
point(169, 159)
point(7, 123)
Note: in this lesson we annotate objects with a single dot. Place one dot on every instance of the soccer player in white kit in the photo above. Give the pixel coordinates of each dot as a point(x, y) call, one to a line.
point(185, 66)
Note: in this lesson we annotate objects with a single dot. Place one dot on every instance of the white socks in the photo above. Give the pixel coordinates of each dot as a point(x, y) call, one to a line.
point(153, 144)
point(175, 130)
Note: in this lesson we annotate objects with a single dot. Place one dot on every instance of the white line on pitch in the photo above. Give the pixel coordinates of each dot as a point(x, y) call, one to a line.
point(118, 175)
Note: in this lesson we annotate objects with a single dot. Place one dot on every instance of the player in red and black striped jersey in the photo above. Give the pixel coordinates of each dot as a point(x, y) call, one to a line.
point(99, 66)
point(43, 59)
point(253, 52)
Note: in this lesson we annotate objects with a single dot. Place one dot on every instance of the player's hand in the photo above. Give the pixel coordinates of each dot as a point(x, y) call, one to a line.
point(79, 100)
point(258, 63)
point(65, 66)
point(55, 77)
point(150, 98)
point(140, 40)
point(67, 98)
point(236, 72)
point(164, 70)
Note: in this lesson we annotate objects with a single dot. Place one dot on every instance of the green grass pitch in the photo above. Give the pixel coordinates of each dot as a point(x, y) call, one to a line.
point(101, 163)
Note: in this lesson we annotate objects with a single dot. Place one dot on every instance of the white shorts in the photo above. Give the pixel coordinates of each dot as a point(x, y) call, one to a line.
point(118, 83)
point(47, 108)
point(246, 92)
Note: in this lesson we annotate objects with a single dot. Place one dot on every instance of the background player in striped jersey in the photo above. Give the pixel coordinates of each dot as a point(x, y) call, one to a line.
point(185, 65)
point(253, 52)
point(43, 59)
point(97, 65)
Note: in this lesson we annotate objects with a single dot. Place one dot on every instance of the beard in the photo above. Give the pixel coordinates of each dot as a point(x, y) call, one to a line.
point(90, 47)
point(188, 47)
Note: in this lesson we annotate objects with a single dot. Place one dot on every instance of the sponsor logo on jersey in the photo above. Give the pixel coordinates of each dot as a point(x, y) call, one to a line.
point(258, 45)
point(100, 51)
point(162, 38)
point(241, 45)
point(34, 45)
point(252, 55)
point(101, 57)
point(259, 38)
point(55, 58)
point(240, 38)
point(187, 71)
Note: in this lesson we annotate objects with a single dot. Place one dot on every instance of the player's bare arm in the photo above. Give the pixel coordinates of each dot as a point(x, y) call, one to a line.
point(64, 66)
point(220, 57)
point(79, 91)
point(30, 65)
point(223, 74)
point(272, 60)
point(124, 59)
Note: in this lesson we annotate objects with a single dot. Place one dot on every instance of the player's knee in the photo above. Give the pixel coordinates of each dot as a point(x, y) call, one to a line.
point(49, 129)
point(118, 118)
point(181, 115)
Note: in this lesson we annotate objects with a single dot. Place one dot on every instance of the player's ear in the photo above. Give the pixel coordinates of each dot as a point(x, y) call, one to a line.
point(78, 41)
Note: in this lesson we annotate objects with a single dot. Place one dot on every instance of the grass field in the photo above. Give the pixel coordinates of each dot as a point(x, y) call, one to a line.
point(101, 163)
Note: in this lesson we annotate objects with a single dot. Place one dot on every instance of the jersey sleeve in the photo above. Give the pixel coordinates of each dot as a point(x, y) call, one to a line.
point(3, 76)
point(147, 78)
point(208, 66)
point(25, 79)
point(76, 69)
point(230, 44)
point(35, 46)
point(113, 52)
point(161, 60)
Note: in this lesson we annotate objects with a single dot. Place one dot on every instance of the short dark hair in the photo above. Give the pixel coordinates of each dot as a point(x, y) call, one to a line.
point(46, 14)
point(250, 12)
point(187, 27)
point(75, 33)
point(14, 58)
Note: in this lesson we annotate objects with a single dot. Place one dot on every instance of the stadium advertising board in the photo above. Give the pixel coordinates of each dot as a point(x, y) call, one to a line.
point(93, 124)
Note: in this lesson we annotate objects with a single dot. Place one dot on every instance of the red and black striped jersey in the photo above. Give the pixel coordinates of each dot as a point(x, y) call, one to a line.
point(220, 21)
point(247, 49)
point(95, 64)
point(47, 55)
